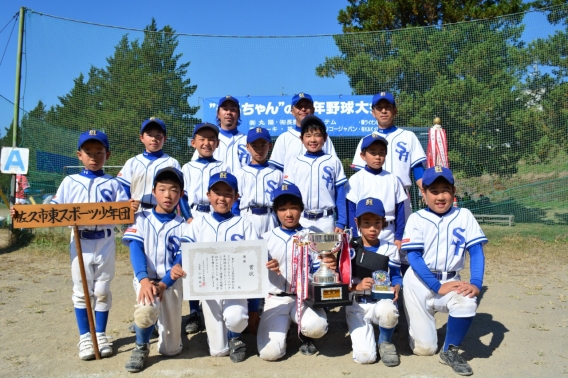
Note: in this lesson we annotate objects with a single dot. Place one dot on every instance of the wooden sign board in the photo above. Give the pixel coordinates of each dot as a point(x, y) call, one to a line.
point(71, 214)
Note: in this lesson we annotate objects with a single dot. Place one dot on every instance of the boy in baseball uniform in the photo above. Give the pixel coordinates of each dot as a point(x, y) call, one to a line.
point(137, 174)
point(435, 240)
point(195, 201)
point(320, 178)
point(280, 308)
point(225, 319)
point(97, 243)
point(257, 182)
point(154, 241)
point(232, 149)
point(374, 181)
point(289, 145)
point(371, 254)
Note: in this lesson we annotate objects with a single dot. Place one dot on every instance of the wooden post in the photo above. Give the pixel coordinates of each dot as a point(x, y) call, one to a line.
point(77, 238)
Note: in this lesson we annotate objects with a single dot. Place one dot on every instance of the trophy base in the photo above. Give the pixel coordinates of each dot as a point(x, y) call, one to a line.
point(383, 294)
point(329, 295)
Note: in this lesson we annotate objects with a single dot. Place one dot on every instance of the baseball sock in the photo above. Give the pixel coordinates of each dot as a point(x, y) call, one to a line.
point(385, 334)
point(101, 319)
point(193, 306)
point(456, 331)
point(82, 320)
point(234, 335)
point(143, 334)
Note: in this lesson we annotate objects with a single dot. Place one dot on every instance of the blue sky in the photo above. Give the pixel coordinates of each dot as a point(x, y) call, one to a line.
point(221, 17)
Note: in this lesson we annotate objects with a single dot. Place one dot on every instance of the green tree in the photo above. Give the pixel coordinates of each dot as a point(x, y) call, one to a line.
point(141, 80)
point(551, 87)
point(468, 74)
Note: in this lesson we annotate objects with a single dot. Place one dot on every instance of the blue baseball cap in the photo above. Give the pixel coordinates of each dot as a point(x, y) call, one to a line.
point(284, 189)
point(205, 125)
point(370, 205)
point(384, 96)
point(93, 135)
point(433, 173)
point(176, 172)
point(370, 139)
point(300, 96)
point(153, 120)
point(225, 177)
point(222, 100)
point(258, 133)
point(311, 120)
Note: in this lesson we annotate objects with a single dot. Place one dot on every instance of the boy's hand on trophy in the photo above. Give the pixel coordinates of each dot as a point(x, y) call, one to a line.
point(330, 261)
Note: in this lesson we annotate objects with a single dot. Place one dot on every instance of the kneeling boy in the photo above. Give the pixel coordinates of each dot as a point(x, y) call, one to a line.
point(154, 241)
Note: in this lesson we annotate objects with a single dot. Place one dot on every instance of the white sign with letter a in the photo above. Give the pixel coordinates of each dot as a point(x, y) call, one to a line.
point(225, 270)
point(15, 160)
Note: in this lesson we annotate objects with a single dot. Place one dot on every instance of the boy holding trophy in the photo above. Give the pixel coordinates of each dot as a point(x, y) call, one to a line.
point(373, 262)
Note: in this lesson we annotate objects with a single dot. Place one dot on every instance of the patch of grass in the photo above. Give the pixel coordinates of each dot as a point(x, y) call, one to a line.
point(523, 232)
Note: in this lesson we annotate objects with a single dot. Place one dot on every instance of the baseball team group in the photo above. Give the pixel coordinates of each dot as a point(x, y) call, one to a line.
point(231, 191)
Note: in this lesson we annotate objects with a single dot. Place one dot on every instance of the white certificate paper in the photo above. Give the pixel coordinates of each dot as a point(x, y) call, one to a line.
point(225, 270)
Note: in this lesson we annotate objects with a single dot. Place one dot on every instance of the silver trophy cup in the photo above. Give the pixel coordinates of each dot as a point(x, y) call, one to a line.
point(325, 244)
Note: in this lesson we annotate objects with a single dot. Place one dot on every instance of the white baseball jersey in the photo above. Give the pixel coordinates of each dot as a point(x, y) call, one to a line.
point(317, 178)
point(384, 186)
point(280, 245)
point(289, 145)
point(208, 229)
point(404, 152)
point(256, 185)
point(444, 239)
point(138, 173)
point(98, 254)
point(221, 315)
point(196, 175)
point(232, 150)
point(86, 187)
point(162, 241)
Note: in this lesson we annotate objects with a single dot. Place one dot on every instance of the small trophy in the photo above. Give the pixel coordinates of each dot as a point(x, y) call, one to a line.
point(326, 289)
point(381, 287)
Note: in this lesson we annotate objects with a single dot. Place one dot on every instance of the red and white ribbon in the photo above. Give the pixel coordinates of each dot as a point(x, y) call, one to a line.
point(437, 147)
point(300, 276)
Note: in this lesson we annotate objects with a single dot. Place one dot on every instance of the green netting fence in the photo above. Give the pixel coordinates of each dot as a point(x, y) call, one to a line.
point(498, 85)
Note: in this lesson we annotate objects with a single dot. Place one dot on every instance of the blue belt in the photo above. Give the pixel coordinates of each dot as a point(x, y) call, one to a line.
point(440, 275)
point(146, 205)
point(94, 235)
point(359, 298)
point(312, 215)
point(259, 210)
point(204, 208)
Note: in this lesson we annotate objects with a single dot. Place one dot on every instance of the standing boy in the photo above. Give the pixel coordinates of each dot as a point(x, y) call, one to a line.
point(137, 174)
point(154, 241)
point(257, 182)
point(232, 149)
point(435, 240)
point(320, 178)
point(97, 243)
point(406, 152)
point(280, 308)
point(372, 254)
point(289, 145)
point(374, 181)
point(225, 319)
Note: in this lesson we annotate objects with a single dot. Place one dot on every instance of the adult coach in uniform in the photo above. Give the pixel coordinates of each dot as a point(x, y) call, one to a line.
point(289, 145)
point(232, 148)
point(405, 153)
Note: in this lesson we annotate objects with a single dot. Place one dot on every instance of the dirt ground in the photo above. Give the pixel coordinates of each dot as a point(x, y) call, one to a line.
point(520, 329)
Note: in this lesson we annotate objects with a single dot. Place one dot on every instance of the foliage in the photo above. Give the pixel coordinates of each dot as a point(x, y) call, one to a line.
point(141, 80)
point(475, 76)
